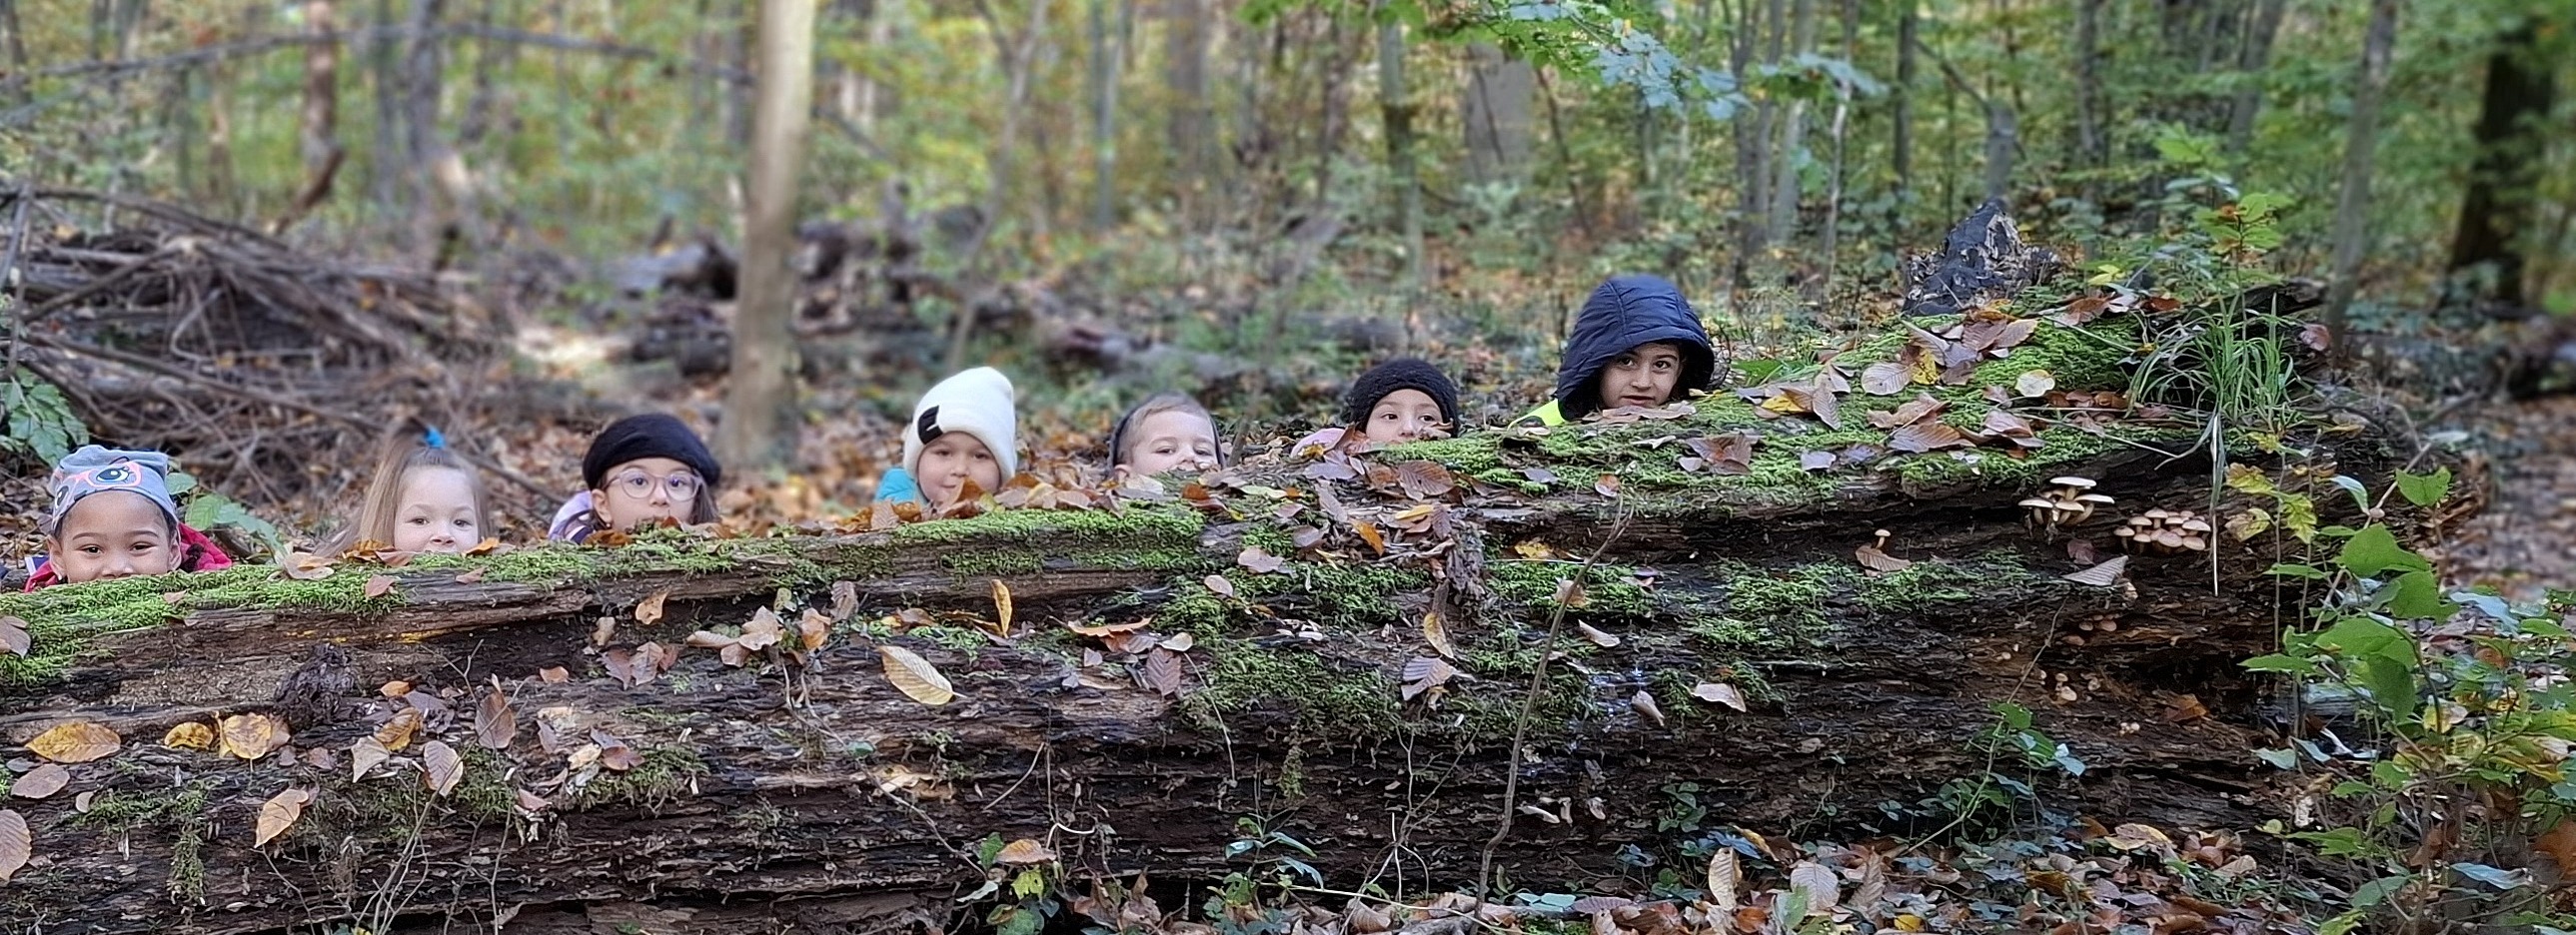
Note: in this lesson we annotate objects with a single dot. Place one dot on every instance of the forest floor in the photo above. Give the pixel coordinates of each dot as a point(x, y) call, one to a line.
point(2524, 541)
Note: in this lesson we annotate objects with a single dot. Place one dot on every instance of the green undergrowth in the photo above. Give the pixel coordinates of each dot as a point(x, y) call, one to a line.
point(667, 775)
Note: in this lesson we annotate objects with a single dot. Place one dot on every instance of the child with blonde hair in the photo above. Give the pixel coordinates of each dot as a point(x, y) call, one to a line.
point(423, 498)
point(964, 438)
point(1168, 431)
point(113, 518)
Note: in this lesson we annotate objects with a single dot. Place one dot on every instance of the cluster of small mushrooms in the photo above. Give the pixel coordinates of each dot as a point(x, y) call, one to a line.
point(2164, 532)
point(2070, 501)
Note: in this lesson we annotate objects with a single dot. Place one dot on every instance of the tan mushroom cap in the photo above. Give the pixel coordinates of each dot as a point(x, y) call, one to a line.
point(2096, 498)
point(2196, 525)
point(2079, 483)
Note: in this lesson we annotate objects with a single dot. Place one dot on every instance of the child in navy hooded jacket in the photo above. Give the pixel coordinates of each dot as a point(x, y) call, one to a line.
point(1636, 343)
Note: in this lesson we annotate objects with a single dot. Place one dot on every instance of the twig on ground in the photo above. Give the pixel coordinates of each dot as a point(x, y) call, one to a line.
point(1529, 708)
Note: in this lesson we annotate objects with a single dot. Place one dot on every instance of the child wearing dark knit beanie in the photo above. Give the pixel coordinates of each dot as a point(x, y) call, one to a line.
point(1402, 400)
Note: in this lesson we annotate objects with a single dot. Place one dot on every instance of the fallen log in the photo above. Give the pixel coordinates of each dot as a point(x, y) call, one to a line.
point(701, 733)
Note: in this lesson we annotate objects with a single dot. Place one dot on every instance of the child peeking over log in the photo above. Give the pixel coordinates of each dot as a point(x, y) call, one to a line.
point(113, 518)
point(1166, 432)
point(1402, 400)
point(963, 442)
point(1636, 343)
point(422, 498)
point(641, 471)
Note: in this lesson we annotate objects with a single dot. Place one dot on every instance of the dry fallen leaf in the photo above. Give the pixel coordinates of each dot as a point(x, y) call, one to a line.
point(915, 676)
point(189, 736)
point(1871, 558)
point(1424, 673)
point(2103, 575)
point(845, 600)
point(813, 627)
point(1719, 693)
point(1162, 672)
point(605, 631)
point(553, 675)
point(394, 689)
point(1106, 630)
point(495, 725)
point(279, 813)
point(1259, 560)
point(396, 734)
point(1001, 606)
point(75, 742)
point(365, 755)
point(471, 576)
point(41, 782)
point(1570, 594)
point(1220, 585)
point(1607, 485)
point(1181, 643)
point(649, 611)
point(377, 586)
point(16, 844)
point(1022, 853)
point(1885, 378)
point(1437, 634)
point(1644, 703)
point(13, 636)
point(1823, 891)
point(1596, 635)
point(2035, 383)
point(442, 766)
point(251, 736)
point(1725, 871)
point(305, 566)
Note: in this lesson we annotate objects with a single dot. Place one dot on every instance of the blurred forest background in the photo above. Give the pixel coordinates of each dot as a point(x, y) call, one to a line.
point(1251, 198)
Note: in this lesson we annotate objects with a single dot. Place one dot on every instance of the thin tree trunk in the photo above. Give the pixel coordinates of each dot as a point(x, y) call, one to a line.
point(479, 108)
point(1334, 94)
point(2360, 145)
point(16, 45)
point(2487, 252)
point(1834, 180)
point(1752, 146)
point(1398, 110)
point(2091, 148)
point(425, 156)
point(2257, 56)
point(318, 133)
point(1901, 153)
point(1017, 60)
point(1189, 126)
point(1106, 53)
point(1783, 225)
point(759, 427)
point(1495, 113)
point(385, 165)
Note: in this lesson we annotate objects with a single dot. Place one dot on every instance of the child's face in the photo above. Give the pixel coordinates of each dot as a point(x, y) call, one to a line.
point(435, 512)
point(949, 461)
point(647, 490)
point(1643, 376)
point(113, 534)
point(1171, 439)
point(1403, 416)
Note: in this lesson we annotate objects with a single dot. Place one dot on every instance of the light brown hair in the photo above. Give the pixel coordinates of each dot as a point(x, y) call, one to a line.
point(1123, 441)
point(377, 511)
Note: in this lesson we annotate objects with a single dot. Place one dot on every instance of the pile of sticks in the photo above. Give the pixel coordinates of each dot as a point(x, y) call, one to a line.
point(243, 356)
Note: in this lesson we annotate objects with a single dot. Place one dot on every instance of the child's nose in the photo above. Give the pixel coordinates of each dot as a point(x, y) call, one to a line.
point(660, 496)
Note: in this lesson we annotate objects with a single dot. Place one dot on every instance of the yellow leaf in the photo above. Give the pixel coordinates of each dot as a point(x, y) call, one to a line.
point(812, 629)
point(1002, 606)
point(1784, 404)
point(75, 742)
point(649, 611)
point(251, 736)
point(279, 813)
point(1437, 634)
point(915, 676)
point(189, 736)
point(444, 767)
point(1022, 853)
point(396, 734)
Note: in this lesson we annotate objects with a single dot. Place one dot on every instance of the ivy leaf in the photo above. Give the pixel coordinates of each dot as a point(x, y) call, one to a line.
point(2416, 595)
point(2374, 550)
point(2425, 490)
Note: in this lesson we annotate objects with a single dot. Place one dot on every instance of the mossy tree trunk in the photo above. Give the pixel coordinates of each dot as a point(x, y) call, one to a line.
point(818, 796)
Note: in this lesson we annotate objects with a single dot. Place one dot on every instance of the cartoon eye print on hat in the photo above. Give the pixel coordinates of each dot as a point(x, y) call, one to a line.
point(119, 476)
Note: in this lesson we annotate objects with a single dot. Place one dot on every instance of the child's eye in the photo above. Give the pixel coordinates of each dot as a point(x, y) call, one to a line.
point(89, 550)
point(464, 524)
point(418, 521)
